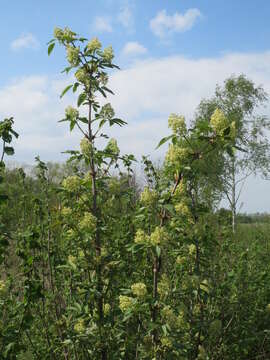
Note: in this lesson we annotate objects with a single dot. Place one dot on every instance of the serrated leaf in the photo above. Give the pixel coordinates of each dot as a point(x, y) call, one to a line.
point(81, 98)
point(71, 125)
point(50, 48)
point(65, 90)
point(164, 140)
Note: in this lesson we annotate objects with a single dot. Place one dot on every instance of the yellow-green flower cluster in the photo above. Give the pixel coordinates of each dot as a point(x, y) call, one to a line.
point(2, 286)
point(196, 310)
point(112, 147)
point(182, 209)
point(268, 308)
point(66, 211)
point(70, 234)
point(103, 251)
point(108, 54)
point(58, 33)
point(141, 237)
point(181, 190)
point(219, 122)
point(180, 260)
point(88, 222)
point(87, 177)
point(71, 183)
point(169, 316)
point(107, 111)
point(79, 327)
point(148, 197)
point(177, 124)
point(94, 45)
point(176, 155)
point(106, 309)
point(233, 130)
point(164, 286)
point(72, 261)
point(65, 34)
point(202, 353)
point(71, 113)
point(81, 255)
point(82, 76)
point(104, 79)
point(73, 55)
point(166, 342)
point(159, 236)
point(139, 289)
point(215, 327)
point(205, 285)
point(85, 146)
point(181, 323)
point(190, 282)
point(125, 303)
point(192, 249)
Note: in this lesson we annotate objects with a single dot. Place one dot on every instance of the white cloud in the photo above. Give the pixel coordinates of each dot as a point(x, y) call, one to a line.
point(133, 48)
point(25, 41)
point(146, 93)
point(34, 103)
point(177, 84)
point(164, 24)
point(125, 17)
point(102, 24)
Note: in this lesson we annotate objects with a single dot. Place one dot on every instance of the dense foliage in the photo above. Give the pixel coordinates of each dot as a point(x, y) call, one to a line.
point(94, 268)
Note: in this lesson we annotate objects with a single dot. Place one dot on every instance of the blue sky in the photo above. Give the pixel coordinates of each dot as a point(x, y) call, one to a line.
point(224, 26)
point(171, 53)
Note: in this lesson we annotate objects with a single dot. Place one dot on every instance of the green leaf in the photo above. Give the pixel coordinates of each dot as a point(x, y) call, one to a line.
point(71, 125)
point(108, 90)
point(164, 329)
point(67, 69)
point(101, 123)
point(158, 251)
point(14, 133)
point(8, 348)
point(229, 150)
point(81, 98)
point(50, 48)
point(226, 131)
point(240, 149)
point(117, 121)
point(204, 287)
point(102, 92)
point(83, 120)
point(75, 87)
point(169, 208)
point(164, 140)
point(9, 150)
point(65, 90)
point(3, 197)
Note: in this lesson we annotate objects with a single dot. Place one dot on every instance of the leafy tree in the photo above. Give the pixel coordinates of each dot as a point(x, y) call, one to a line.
point(239, 99)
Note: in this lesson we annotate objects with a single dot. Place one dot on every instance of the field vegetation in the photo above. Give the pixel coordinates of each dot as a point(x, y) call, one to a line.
point(95, 266)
